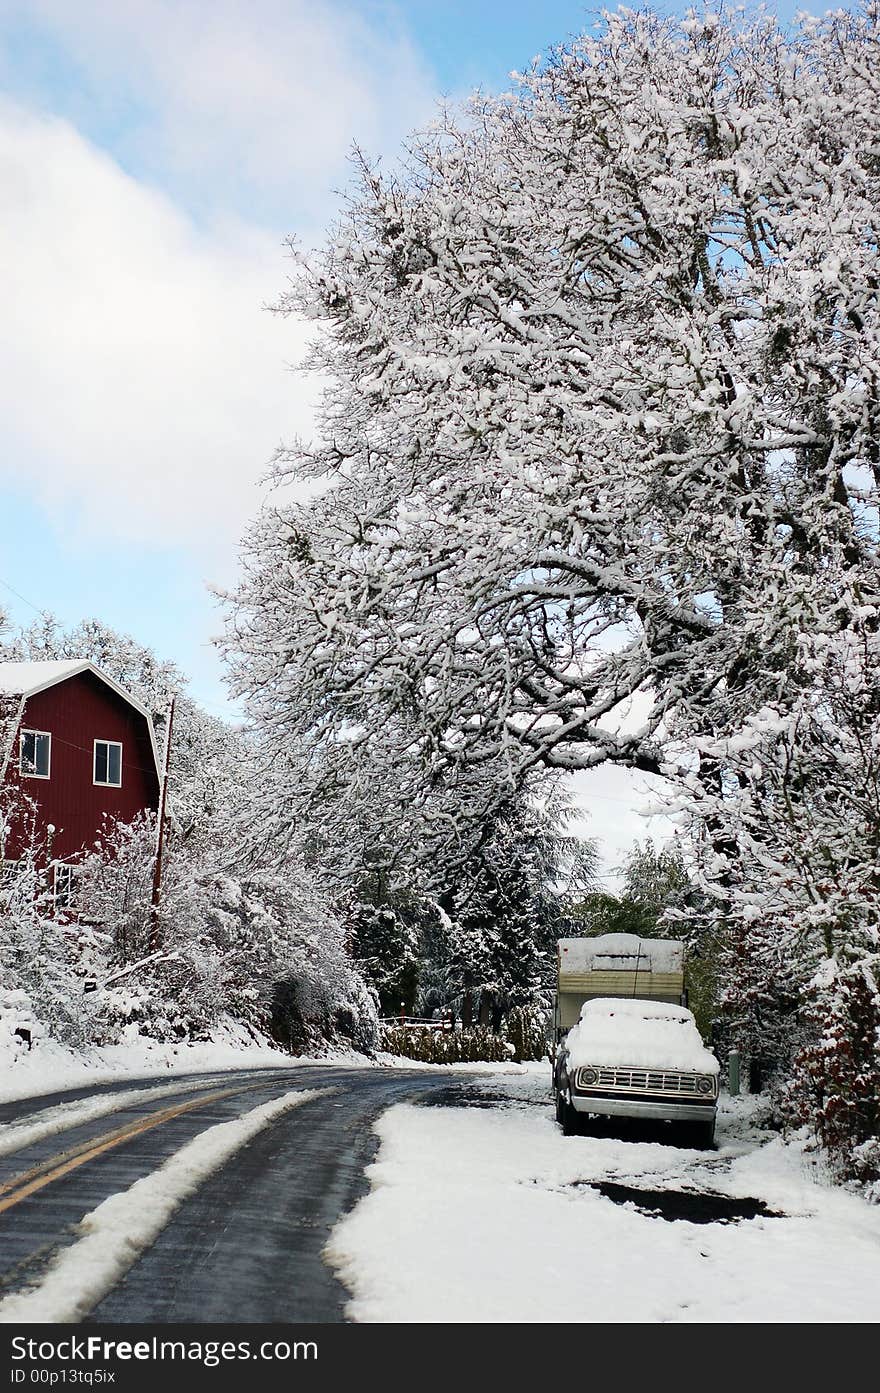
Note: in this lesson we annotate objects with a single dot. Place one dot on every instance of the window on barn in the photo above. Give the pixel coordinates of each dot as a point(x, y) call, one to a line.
point(65, 887)
point(35, 755)
point(108, 763)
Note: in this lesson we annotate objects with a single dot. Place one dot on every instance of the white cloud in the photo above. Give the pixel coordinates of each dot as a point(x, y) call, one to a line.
point(265, 95)
point(142, 385)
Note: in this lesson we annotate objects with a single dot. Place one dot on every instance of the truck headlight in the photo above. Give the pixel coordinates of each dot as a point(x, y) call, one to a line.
point(588, 1077)
point(705, 1084)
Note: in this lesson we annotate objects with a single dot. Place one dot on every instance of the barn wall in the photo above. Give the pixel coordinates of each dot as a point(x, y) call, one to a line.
point(77, 712)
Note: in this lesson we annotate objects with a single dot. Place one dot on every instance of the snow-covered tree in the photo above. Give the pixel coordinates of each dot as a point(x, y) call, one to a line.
point(655, 880)
point(44, 956)
point(504, 910)
point(599, 453)
point(114, 888)
point(788, 855)
point(386, 938)
point(602, 360)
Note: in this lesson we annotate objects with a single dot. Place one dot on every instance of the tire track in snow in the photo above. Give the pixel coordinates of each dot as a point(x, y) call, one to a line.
point(114, 1235)
point(49, 1122)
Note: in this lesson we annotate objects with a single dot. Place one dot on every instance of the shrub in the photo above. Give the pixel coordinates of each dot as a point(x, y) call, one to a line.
point(445, 1046)
point(526, 1032)
point(836, 1083)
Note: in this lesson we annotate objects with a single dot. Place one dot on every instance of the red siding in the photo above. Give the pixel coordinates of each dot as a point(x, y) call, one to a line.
point(76, 712)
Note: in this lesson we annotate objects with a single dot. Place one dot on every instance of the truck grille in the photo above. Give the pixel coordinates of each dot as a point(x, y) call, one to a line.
point(638, 1081)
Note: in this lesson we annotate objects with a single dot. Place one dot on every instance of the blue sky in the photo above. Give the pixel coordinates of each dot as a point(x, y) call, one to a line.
point(153, 156)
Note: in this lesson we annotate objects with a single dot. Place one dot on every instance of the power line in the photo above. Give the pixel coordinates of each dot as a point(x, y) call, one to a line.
point(18, 595)
point(128, 764)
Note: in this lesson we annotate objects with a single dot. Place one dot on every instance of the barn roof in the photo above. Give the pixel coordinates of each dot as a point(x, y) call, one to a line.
point(23, 680)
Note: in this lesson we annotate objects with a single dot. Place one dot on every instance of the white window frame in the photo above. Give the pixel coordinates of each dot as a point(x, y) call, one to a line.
point(27, 773)
point(73, 875)
point(105, 783)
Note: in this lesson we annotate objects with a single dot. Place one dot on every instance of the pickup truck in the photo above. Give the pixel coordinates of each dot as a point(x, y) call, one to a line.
point(635, 1050)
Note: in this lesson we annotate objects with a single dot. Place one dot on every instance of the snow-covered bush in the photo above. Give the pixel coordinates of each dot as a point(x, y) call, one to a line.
point(269, 950)
point(311, 1009)
point(42, 965)
point(16, 1015)
point(219, 945)
point(526, 1032)
point(115, 884)
point(428, 1046)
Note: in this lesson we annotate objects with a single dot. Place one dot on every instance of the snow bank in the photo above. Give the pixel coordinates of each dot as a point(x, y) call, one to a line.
point(118, 1231)
point(50, 1067)
point(510, 1229)
point(638, 1034)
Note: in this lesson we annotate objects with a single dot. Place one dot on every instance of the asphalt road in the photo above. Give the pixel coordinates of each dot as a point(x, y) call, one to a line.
point(246, 1247)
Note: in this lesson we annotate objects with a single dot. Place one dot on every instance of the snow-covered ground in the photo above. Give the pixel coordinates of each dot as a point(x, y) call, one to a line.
point(50, 1067)
point(489, 1214)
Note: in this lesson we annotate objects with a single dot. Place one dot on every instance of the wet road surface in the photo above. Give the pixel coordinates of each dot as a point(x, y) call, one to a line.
point(246, 1246)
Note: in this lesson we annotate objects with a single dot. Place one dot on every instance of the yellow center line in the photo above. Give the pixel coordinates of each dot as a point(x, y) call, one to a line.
point(61, 1164)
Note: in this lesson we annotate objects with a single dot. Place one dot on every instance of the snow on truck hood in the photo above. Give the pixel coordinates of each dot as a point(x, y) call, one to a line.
point(641, 1034)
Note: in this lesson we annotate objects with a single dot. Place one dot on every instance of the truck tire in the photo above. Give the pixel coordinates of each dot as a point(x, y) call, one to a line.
point(567, 1116)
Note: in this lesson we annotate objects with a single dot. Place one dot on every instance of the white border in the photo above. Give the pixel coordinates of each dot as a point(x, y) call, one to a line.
point(28, 730)
point(105, 783)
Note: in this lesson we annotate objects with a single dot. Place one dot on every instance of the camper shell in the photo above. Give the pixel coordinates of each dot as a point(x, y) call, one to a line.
point(651, 969)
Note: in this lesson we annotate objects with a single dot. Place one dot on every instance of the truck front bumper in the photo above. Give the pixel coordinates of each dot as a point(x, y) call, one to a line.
point(658, 1109)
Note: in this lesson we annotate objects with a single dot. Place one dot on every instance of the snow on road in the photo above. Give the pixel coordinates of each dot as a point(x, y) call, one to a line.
point(490, 1215)
point(49, 1122)
point(119, 1230)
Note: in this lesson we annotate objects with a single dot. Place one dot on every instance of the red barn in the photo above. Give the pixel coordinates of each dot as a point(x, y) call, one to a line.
point(80, 747)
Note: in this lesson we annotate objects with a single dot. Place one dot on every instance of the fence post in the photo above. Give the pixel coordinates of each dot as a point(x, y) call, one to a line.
point(733, 1062)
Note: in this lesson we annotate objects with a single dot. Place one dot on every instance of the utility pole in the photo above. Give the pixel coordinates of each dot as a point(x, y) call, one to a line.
point(155, 943)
